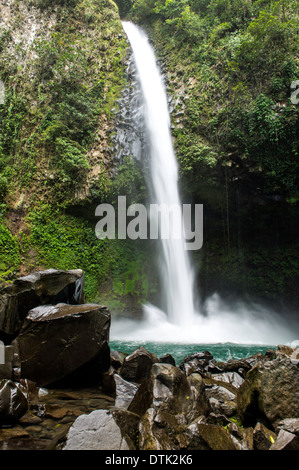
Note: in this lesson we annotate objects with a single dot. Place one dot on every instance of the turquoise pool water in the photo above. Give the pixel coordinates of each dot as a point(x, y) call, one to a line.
point(220, 351)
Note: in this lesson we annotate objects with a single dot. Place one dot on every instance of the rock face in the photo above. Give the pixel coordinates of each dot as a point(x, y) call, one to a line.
point(270, 392)
point(124, 391)
point(263, 438)
point(211, 437)
point(166, 402)
point(64, 342)
point(286, 441)
point(247, 404)
point(103, 430)
point(137, 365)
point(40, 288)
point(167, 388)
point(197, 362)
point(13, 402)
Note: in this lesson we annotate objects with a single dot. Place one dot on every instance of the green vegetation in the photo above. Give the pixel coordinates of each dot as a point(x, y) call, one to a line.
point(229, 65)
point(10, 254)
point(236, 61)
point(58, 88)
point(63, 241)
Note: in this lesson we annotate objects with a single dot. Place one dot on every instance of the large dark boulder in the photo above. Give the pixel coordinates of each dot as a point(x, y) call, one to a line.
point(263, 438)
point(13, 402)
point(168, 389)
point(160, 430)
point(67, 343)
point(270, 392)
point(114, 429)
point(40, 288)
point(211, 437)
point(196, 362)
point(286, 441)
point(137, 365)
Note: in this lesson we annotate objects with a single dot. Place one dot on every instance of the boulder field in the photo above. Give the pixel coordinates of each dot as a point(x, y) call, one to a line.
point(135, 401)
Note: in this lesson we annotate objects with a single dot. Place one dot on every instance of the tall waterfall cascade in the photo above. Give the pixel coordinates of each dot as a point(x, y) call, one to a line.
point(144, 130)
point(176, 273)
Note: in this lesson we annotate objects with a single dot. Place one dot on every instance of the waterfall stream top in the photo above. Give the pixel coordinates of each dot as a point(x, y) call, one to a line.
point(176, 273)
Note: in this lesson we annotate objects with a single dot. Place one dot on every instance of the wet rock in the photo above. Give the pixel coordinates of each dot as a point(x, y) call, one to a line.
point(24, 443)
point(292, 353)
point(103, 430)
point(13, 402)
point(255, 359)
point(234, 430)
point(137, 365)
point(65, 342)
point(167, 388)
point(201, 405)
point(108, 382)
point(167, 359)
point(285, 441)
point(270, 392)
point(286, 350)
point(55, 411)
point(195, 440)
point(232, 365)
point(263, 438)
point(270, 354)
point(116, 359)
point(6, 361)
point(196, 362)
point(215, 437)
point(159, 430)
point(290, 425)
point(247, 441)
point(216, 418)
point(128, 424)
point(232, 378)
point(14, 433)
point(222, 399)
point(40, 288)
point(125, 392)
point(30, 419)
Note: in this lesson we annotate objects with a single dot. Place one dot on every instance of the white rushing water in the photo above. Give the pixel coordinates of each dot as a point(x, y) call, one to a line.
point(176, 273)
point(180, 322)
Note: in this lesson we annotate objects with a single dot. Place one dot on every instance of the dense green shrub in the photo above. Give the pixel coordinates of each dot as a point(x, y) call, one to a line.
point(10, 258)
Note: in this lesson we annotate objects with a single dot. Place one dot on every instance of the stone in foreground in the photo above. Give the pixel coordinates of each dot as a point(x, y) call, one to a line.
point(40, 288)
point(13, 402)
point(103, 430)
point(66, 343)
point(270, 391)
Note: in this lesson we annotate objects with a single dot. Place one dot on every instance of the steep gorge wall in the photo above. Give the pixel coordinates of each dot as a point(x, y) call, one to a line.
point(64, 65)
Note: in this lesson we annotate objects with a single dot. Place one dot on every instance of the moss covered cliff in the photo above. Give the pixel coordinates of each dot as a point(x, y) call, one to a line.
point(228, 66)
point(63, 67)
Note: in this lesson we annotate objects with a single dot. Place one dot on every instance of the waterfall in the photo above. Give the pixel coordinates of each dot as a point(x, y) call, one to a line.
point(179, 321)
point(176, 273)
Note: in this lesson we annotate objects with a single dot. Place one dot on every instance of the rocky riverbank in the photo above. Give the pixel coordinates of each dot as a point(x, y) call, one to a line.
point(61, 387)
